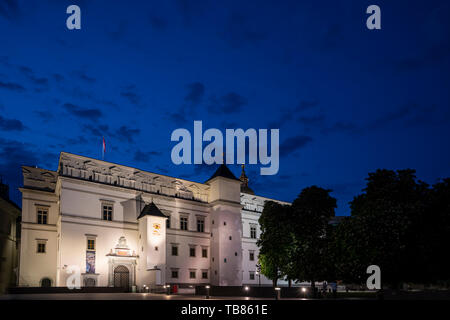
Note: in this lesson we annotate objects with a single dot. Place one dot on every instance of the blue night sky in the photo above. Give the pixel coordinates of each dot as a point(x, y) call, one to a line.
point(347, 100)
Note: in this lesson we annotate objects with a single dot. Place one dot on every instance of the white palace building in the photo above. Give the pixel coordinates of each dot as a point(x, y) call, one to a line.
point(124, 227)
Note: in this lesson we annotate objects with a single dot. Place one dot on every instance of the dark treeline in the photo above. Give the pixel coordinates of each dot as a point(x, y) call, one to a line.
point(398, 223)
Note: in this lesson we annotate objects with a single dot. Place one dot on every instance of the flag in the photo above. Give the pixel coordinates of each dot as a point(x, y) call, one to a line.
point(103, 148)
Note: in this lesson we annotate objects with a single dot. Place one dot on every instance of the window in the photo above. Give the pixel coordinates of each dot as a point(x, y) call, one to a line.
point(156, 248)
point(235, 254)
point(174, 274)
point(204, 253)
point(183, 223)
point(168, 223)
point(174, 250)
point(252, 275)
point(192, 251)
point(200, 224)
point(204, 274)
point(42, 215)
point(225, 260)
point(230, 238)
point(192, 274)
point(224, 223)
point(251, 255)
point(107, 212)
point(41, 247)
point(253, 232)
point(91, 244)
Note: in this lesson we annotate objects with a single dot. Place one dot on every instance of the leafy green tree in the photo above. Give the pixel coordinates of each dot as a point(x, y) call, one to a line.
point(384, 229)
point(312, 211)
point(275, 240)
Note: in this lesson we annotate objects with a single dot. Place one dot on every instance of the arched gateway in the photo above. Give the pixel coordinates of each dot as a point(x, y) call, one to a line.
point(121, 277)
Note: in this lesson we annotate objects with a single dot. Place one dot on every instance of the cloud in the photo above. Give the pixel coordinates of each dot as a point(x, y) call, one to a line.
point(92, 114)
point(191, 10)
point(129, 92)
point(229, 103)
point(83, 76)
point(240, 30)
point(11, 124)
point(312, 120)
point(30, 74)
point(141, 156)
point(341, 127)
point(11, 86)
point(97, 130)
point(57, 77)
point(289, 114)
point(126, 134)
point(77, 141)
point(157, 23)
point(9, 9)
point(306, 105)
point(294, 143)
point(196, 91)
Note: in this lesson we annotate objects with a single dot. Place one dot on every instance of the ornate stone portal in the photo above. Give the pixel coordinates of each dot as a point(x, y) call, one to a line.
point(122, 265)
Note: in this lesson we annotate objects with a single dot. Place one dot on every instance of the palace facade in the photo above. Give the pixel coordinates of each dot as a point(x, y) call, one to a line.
point(126, 227)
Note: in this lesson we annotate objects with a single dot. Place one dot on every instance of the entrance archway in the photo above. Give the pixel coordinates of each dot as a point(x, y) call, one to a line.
point(121, 277)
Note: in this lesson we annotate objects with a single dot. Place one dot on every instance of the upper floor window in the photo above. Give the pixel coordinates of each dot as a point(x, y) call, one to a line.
point(107, 212)
point(200, 224)
point(204, 253)
point(204, 274)
point(183, 223)
point(252, 275)
point(42, 215)
point(252, 255)
point(174, 274)
point(168, 222)
point(253, 232)
point(192, 251)
point(192, 274)
point(41, 247)
point(174, 250)
point(90, 244)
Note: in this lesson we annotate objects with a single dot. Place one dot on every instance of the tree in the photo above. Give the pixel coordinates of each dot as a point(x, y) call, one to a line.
point(274, 241)
point(312, 211)
point(385, 229)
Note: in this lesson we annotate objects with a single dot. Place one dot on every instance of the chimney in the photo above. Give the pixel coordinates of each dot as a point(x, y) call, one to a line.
point(4, 190)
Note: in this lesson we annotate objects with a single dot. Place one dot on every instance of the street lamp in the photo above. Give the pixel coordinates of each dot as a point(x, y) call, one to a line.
point(207, 292)
point(167, 289)
point(304, 292)
point(259, 278)
point(277, 293)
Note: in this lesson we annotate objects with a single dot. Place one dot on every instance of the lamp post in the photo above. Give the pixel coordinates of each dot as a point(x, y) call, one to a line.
point(167, 289)
point(258, 272)
point(207, 292)
point(277, 293)
point(246, 289)
point(304, 292)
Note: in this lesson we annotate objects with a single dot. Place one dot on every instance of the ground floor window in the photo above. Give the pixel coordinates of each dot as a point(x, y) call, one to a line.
point(252, 275)
point(46, 282)
point(175, 274)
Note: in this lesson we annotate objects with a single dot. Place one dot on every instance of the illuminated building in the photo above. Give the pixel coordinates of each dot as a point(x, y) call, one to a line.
point(123, 226)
